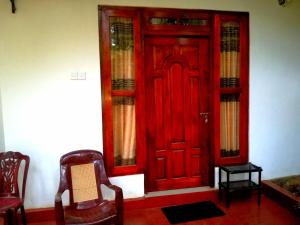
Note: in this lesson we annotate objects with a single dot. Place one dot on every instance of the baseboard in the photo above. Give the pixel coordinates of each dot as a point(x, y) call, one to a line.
point(48, 214)
point(167, 200)
point(40, 215)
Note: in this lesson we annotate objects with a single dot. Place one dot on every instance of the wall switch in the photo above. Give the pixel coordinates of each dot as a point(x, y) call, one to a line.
point(74, 76)
point(82, 76)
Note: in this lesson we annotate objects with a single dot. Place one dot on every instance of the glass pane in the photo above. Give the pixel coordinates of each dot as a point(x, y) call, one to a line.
point(230, 125)
point(192, 22)
point(123, 110)
point(230, 54)
point(163, 21)
point(122, 53)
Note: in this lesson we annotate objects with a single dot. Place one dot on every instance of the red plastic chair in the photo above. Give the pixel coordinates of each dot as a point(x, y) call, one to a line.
point(9, 187)
point(82, 173)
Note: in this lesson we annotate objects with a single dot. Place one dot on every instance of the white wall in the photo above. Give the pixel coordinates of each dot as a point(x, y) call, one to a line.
point(45, 114)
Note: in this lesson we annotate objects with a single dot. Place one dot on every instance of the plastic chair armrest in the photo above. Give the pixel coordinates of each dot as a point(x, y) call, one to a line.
point(59, 210)
point(119, 200)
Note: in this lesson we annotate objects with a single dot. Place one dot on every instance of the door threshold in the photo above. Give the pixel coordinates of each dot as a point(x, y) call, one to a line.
point(179, 191)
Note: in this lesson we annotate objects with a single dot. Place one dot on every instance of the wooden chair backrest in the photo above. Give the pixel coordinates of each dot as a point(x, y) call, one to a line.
point(9, 172)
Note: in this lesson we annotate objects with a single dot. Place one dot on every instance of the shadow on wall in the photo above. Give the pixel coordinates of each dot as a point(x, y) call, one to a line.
point(2, 143)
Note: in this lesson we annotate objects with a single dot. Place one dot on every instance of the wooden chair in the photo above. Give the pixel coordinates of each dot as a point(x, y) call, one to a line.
point(9, 187)
point(82, 173)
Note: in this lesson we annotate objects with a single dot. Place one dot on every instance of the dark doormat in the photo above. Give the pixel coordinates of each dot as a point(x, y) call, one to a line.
point(194, 211)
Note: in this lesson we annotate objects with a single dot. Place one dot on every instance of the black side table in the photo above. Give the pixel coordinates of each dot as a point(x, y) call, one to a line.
point(239, 185)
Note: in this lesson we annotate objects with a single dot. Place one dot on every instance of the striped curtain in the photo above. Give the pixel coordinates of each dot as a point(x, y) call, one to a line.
point(122, 74)
point(230, 77)
point(230, 54)
point(230, 111)
point(122, 53)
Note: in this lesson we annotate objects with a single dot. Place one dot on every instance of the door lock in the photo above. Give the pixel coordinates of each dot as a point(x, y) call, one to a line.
point(205, 116)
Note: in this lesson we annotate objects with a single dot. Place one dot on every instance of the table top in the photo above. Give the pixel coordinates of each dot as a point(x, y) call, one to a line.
point(248, 167)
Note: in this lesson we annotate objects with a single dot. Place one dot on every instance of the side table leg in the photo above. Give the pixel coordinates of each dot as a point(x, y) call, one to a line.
point(227, 198)
point(259, 188)
point(259, 196)
point(220, 180)
point(227, 190)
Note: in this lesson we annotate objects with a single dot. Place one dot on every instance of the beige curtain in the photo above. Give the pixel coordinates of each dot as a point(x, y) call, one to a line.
point(230, 111)
point(230, 75)
point(124, 130)
point(122, 74)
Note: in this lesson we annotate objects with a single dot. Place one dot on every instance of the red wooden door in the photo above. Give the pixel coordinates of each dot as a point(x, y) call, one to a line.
point(177, 112)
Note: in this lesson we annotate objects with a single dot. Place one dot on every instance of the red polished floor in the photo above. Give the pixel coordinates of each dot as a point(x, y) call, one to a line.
point(242, 211)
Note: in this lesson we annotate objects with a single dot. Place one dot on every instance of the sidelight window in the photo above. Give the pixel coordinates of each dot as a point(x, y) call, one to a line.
point(120, 47)
point(232, 75)
point(122, 76)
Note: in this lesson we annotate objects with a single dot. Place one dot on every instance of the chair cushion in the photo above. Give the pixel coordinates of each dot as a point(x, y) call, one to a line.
point(102, 212)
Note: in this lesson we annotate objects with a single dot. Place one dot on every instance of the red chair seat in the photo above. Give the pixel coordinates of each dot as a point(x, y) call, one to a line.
point(9, 202)
point(102, 212)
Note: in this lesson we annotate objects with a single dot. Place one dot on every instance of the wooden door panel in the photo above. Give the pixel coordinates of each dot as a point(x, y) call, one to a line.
point(177, 79)
point(178, 163)
point(195, 165)
point(192, 52)
point(160, 53)
point(175, 95)
point(161, 163)
point(159, 116)
point(195, 112)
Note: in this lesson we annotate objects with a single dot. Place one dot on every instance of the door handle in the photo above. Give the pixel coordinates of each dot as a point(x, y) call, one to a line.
point(205, 116)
